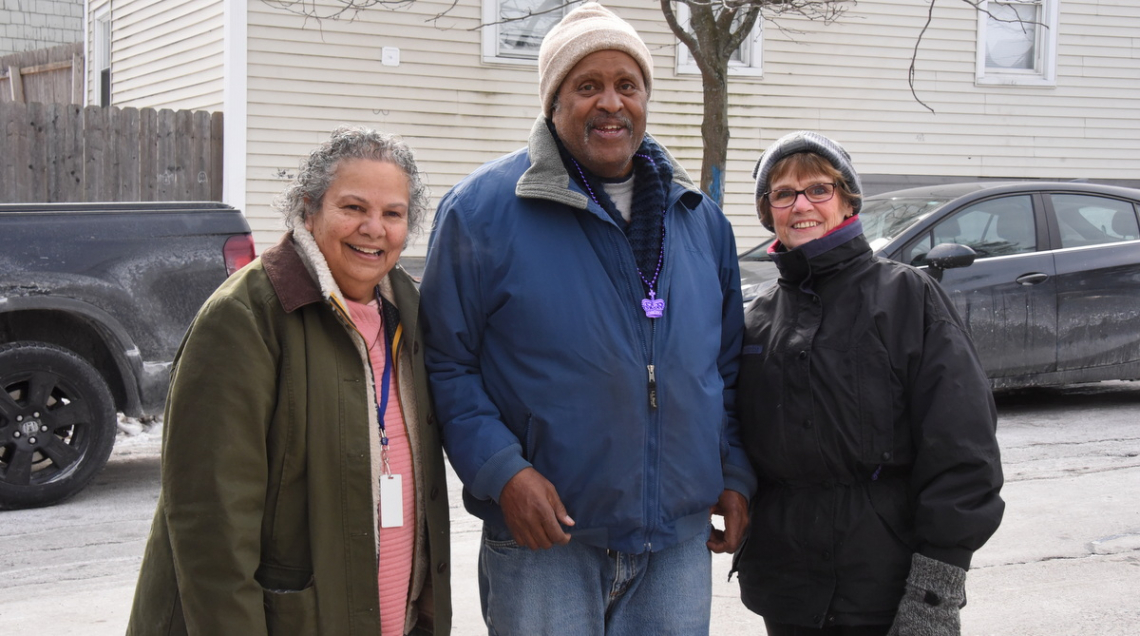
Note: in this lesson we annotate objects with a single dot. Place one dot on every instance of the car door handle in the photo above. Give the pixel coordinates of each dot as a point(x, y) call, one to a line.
point(1032, 279)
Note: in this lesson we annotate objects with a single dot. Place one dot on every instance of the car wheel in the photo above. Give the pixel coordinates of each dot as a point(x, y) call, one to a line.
point(57, 424)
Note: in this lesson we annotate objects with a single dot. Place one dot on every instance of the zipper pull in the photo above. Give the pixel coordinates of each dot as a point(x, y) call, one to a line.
point(652, 387)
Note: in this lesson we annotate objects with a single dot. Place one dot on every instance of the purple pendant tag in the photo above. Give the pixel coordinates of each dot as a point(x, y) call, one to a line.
point(654, 307)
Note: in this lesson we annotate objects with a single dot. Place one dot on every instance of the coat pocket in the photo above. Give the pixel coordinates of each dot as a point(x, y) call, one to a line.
point(292, 612)
point(877, 404)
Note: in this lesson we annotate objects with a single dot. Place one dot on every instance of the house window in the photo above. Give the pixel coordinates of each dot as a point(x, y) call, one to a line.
point(515, 28)
point(745, 60)
point(102, 55)
point(1017, 42)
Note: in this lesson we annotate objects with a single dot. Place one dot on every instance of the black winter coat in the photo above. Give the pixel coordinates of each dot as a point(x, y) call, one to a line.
point(871, 426)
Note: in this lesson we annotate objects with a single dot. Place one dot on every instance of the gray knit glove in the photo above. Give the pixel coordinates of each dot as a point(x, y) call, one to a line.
point(929, 606)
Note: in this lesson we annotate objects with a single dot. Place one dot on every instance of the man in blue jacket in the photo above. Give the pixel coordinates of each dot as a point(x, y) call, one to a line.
point(583, 322)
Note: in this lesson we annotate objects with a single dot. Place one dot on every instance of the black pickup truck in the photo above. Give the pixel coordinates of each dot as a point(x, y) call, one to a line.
point(94, 300)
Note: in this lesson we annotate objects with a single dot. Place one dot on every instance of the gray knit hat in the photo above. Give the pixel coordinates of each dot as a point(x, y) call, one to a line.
point(585, 30)
point(807, 141)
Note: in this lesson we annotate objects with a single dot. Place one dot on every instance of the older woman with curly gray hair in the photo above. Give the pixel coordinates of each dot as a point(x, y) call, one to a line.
point(303, 484)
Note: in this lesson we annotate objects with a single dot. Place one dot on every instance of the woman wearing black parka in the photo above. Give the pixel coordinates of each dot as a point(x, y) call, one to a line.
point(867, 417)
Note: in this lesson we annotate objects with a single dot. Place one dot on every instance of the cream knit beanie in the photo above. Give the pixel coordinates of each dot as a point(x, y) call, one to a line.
point(585, 30)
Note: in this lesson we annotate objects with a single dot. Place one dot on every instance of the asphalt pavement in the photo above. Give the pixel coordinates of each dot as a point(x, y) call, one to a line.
point(1065, 562)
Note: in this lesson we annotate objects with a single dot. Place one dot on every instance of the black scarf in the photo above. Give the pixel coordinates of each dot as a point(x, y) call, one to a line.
point(652, 175)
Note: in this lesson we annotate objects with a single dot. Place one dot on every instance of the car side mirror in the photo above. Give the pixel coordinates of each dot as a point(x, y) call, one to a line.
point(948, 256)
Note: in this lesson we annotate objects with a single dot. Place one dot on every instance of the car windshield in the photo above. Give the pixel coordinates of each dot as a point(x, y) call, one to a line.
point(883, 218)
point(886, 217)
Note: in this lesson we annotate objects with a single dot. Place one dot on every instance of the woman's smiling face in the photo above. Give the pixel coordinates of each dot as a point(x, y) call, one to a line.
point(362, 224)
point(804, 221)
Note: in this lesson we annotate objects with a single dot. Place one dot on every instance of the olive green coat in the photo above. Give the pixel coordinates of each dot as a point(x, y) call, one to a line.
point(266, 523)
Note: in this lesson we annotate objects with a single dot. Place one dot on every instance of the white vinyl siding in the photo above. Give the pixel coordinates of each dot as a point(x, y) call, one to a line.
point(854, 88)
point(847, 80)
point(455, 110)
point(168, 54)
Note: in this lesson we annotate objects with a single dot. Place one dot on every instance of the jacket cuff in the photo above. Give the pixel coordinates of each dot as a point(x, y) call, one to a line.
point(954, 556)
point(741, 480)
point(497, 471)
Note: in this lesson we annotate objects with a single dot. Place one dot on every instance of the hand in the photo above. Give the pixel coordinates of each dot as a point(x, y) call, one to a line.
point(929, 606)
point(533, 511)
point(734, 508)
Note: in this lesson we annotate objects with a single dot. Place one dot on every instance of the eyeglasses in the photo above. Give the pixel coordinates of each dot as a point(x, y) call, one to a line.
point(818, 193)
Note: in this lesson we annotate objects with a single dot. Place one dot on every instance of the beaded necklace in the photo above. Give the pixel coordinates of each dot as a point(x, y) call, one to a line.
point(653, 306)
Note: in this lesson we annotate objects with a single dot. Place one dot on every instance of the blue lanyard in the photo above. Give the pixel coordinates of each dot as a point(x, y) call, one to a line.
point(386, 378)
point(382, 407)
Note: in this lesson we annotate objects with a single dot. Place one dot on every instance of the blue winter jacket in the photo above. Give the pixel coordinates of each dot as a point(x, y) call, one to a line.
point(539, 353)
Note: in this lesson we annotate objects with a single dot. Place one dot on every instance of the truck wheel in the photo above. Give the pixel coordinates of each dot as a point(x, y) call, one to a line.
point(57, 424)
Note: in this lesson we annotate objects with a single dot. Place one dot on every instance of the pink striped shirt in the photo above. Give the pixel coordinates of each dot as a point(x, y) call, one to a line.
point(396, 544)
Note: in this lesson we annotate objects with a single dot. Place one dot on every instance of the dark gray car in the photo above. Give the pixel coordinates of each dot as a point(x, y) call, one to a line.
point(1053, 293)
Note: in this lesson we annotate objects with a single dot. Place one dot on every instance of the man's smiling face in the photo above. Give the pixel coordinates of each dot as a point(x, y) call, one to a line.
point(600, 112)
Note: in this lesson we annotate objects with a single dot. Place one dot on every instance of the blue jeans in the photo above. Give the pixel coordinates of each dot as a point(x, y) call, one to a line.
point(581, 590)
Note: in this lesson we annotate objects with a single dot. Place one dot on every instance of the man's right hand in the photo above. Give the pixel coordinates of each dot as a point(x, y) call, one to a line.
point(533, 511)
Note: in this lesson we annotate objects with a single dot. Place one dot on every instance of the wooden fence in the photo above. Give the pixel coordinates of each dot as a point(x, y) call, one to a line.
point(55, 153)
point(51, 75)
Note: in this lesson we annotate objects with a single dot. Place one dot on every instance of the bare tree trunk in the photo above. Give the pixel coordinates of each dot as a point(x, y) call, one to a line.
point(715, 135)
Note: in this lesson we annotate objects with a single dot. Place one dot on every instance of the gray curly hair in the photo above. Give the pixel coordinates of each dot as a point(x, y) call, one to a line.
point(303, 198)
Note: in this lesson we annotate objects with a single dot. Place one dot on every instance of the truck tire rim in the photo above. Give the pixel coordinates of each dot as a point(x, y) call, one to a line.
point(42, 430)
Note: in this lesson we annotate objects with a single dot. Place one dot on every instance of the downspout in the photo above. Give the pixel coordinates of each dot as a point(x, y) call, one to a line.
point(87, 25)
point(235, 102)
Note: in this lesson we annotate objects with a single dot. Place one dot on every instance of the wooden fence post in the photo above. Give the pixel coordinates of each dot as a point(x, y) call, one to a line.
point(184, 151)
point(11, 127)
point(129, 152)
point(94, 153)
point(148, 155)
point(165, 156)
point(37, 153)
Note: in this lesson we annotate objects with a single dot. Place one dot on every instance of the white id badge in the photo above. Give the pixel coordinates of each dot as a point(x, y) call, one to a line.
point(391, 501)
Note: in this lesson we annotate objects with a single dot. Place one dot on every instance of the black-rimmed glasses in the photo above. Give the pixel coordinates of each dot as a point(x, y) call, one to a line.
point(818, 193)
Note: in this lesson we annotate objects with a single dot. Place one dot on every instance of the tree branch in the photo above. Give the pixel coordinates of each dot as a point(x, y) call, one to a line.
point(914, 56)
point(352, 8)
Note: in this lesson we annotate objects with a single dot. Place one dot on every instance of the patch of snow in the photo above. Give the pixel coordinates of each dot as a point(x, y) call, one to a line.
point(136, 433)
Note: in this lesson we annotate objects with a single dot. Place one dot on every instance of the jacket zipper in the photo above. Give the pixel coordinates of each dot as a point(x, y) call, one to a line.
point(652, 450)
point(652, 387)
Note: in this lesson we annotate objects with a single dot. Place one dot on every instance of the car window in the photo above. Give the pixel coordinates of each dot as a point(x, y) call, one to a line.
point(1092, 220)
point(995, 227)
point(884, 217)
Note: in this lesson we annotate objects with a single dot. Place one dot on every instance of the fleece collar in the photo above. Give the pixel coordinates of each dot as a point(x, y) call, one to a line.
point(547, 177)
